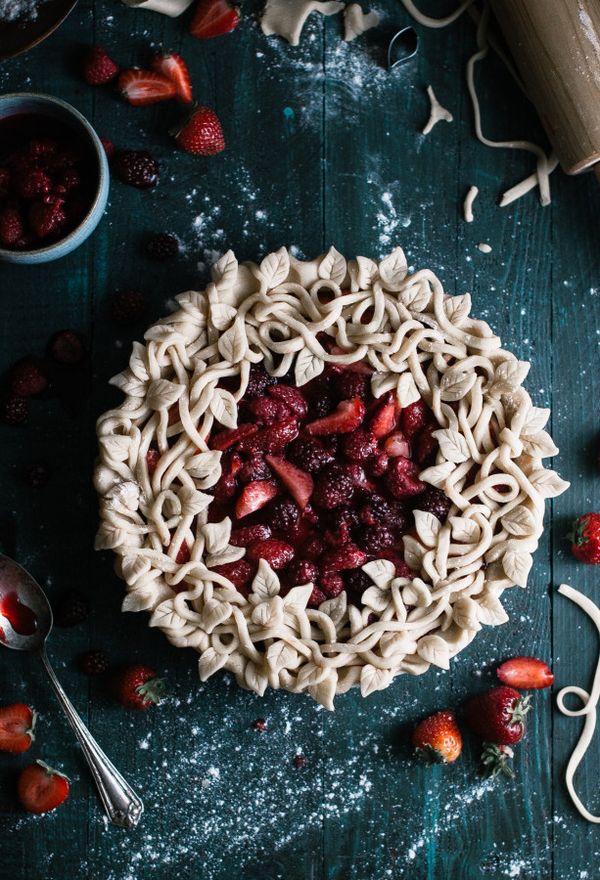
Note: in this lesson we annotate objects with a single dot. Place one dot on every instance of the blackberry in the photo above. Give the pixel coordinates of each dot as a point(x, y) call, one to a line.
point(434, 501)
point(259, 724)
point(320, 405)
point(93, 663)
point(136, 168)
point(127, 305)
point(378, 511)
point(283, 515)
point(356, 581)
point(13, 410)
point(333, 488)
point(302, 571)
point(361, 445)
point(309, 455)
point(258, 381)
point(162, 246)
point(71, 608)
point(255, 468)
point(349, 384)
point(66, 347)
point(374, 539)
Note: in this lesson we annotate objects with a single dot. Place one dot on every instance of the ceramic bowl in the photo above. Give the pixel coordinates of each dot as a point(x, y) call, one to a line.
point(63, 113)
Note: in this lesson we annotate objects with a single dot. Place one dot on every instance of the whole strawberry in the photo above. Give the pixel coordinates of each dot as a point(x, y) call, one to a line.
point(585, 538)
point(98, 68)
point(437, 738)
point(138, 687)
point(498, 715)
point(201, 134)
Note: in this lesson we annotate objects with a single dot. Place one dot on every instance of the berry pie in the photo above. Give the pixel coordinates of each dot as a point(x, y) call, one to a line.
point(323, 474)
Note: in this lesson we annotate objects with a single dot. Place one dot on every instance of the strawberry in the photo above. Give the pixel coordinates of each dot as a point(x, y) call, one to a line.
point(17, 723)
point(386, 417)
point(254, 496)
point(201, 134)
point(141, 87)
point(361, 445)
point(397, 444)
point(299, 484)
point(525, 672)
point(41, 789)
point(437, 739)
point(345, 419)
point(277, 553)
point(272, 438)
point(247, 534)
point(269, 411)
point(47, 217)
point(174, 68)
point(152, 459)
point(414, 417)
point(11, 227)
point(98, 68)
point(240, 573)
point(498, 715)
point(230, 436)
point(495, 760)
point(291, 397)
point(585, 538)
point(138, 687)
point(402, 478)
point(213, 18)
point(346, 557)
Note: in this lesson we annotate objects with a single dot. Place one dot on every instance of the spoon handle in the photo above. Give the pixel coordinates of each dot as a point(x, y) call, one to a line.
point(123, 807)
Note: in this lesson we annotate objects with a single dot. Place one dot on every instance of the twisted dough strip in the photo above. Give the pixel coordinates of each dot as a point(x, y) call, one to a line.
point(420, 343)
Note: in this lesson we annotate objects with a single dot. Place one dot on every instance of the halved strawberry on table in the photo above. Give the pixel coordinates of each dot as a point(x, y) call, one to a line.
point(41, 788)
point(142, 87)
point(172, 65)
point(528, 673)
point(212, 18)
point(17, 725)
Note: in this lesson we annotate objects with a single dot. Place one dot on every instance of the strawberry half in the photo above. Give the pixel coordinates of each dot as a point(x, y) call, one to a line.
point(525, 672)
point(299, 484)
point(345, 419)
point(231, 436)
point(213, 18)
point(17, 723)
point(386, 418)
point(141, 87)
point(254, 496)
point(41, 789)
point(174, 68)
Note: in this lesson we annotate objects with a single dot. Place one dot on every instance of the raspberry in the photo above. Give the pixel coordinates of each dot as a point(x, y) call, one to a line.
point(344, 557)
point(11, 227)
point(47, 217)
point(32, 182)
point(378, 466)
point(93, 663)
point(66, 347)
point(291, 397)
point(374, 539)
point(258, 381)
point(255, 468)
point(276, 553)
point(240, 573)
point(269, 411)
point(333, 488)
point(98, 68)
point(27, 379)
point(317, 597)
point(403, 478)
point(127, 305)
point(162, 246)
point(434, 501)
point(414, 418)
point(247, 534)
point(309, 454)
point(152, 459)
point(136, 168)
point(313, 548)
point(349, 384)
point(4, 182)
point(357, 474)
point(71, 608)
point(282, 515)
point(67, 180)
point(109, 147)
point(302, 571)
point(332, 584)
point(36, 475)
point(361, 445)
point(259, 724)
point(300, 762)
point(14, 410)
point(341, 523)
point(43, 147)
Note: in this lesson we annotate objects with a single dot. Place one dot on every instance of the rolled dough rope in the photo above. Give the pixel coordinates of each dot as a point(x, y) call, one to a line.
point(468, 203)
point(356, 22)
point(437, 112)
point(588, 705)
point(524, 186)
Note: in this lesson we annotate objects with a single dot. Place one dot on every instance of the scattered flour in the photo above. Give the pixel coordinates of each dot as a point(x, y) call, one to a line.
point(12, 10)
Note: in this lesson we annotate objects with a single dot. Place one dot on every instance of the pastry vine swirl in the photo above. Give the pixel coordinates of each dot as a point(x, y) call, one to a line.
point(421, 343)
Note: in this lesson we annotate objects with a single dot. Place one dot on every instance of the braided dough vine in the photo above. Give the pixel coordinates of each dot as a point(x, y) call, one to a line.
point(421, 343)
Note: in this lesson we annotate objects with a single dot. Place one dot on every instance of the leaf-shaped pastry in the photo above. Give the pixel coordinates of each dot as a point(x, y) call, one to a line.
point(210, 662)
point(406, 390)
point(333, 266)
point(519, 521)
point(465, 613)
point(255, 679)
point(269, 613)
point(307, 366)
point(115, 447)
point(204, 464)
point(373, 679)
point(335, 608)
point(456, 384)
point(458, 308)
point(381, 383)
point(366, 272)
point(325, 690)
point(225, 271)
point(413, 552)
point(381, 572)
point(453, 445)
point(192, 501)
point(434, 649)
point(417, 593)
point(280, 656)
point(223, 407)
point(310, 674)
point(517, 565)
point(133, 567)
point(548, 483)
point(464, 530)
point(275, 268)
point(221, 315)
point(393, 269)
point(490, 610)
point(224, 557)
point(438, 474)
point(297, 598)
point(214, 613)
point(536, 421)
point(162, 394)
point(233, 344)
point(540, 445)
point(376, 598)
point(216, 535)
point(511, 372)
point(428, 527)
point(266, 583)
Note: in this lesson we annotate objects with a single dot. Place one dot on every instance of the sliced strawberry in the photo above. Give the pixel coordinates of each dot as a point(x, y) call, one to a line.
point(213, 18)
point(17, 723)
point(152, 459)
point(141, 87)
point(414, 418)
point(525, 672)
point(231, 436)
point(174, 68)
point(272, 438)
point(397, 444)
point(345, 419)
point(386, 417)
point(41, 789)
point(254, 496)
point(277, 553)
point(299, 484)
point(402, 478)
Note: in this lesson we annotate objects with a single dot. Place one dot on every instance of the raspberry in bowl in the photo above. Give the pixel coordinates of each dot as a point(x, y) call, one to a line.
point(54, 178)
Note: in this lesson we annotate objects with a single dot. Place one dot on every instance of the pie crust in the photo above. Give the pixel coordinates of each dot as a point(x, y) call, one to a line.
point(422, 343)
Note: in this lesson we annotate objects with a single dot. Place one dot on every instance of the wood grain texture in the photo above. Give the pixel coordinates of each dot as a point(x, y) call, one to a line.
point(323, 147)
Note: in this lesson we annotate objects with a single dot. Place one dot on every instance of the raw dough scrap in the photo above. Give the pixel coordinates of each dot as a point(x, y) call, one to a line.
point(437, 112)
point(173, 8)
point(468, 203)
point(356, 22)
point(287, 17)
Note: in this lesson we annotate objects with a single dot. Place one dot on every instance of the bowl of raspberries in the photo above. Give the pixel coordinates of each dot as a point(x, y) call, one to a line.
point(54, 178)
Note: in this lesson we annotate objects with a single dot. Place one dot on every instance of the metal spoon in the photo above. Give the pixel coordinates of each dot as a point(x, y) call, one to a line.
point(25, 624)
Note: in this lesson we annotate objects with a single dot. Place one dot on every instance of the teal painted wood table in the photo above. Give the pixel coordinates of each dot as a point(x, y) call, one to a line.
point(323, 146)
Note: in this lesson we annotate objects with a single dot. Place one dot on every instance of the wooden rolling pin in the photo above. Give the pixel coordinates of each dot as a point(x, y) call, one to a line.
point(556, 47)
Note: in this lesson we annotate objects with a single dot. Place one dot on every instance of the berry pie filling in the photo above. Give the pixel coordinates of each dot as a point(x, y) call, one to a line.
point(322, 479)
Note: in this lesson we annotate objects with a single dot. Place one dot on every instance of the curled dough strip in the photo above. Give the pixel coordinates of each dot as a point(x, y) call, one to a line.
point(588, 706)
point(416, 342)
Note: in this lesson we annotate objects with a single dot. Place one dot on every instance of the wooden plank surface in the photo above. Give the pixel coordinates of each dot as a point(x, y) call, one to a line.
point(323, 147)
